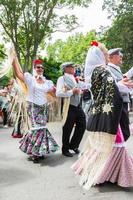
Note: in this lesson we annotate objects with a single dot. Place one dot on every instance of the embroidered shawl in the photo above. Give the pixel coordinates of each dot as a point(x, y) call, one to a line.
point(107, 105)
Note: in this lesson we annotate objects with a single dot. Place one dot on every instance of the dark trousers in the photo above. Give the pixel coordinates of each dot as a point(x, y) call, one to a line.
point(124, 122)
point(4, 110)
point(75, 117)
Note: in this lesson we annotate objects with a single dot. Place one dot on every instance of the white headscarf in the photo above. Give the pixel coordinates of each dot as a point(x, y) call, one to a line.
point(34, 73)
point(95, 57)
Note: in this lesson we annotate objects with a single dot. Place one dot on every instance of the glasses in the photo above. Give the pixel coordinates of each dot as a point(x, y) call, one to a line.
point(39, 67)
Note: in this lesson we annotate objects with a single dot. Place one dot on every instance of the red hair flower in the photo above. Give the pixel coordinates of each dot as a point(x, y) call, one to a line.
point(94, 43)
point(37, 62)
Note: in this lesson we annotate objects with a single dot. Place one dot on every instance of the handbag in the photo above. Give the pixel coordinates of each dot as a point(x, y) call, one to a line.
point(86, 95)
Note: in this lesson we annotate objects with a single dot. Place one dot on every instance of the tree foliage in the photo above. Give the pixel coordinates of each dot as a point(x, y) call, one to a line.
point(73, 50)
point(2, 52)
point(27, 23)
point(121, 32)
point(52, 69)
point(5, 79)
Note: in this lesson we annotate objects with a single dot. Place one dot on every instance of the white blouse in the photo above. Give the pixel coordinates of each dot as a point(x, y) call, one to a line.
point(37, 93)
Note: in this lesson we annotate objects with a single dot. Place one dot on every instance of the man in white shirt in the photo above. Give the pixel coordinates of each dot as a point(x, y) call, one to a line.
point(115, 62)
point(69, 89)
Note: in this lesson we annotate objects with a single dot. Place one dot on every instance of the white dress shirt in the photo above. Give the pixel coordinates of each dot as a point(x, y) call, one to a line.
point(122, 88)
point(60, 87)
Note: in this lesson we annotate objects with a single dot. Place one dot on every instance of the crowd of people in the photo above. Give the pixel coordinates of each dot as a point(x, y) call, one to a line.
point(98, 102)
point(6, 95)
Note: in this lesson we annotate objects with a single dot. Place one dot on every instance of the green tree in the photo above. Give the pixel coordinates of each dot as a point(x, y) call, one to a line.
point(27, 23)
point(52, 69)
point(54, 50)
point(120, 34)
point(2, 53)
point(74, 49)
point(5, 79)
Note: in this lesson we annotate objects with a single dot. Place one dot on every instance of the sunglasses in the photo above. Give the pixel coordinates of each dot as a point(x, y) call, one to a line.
point(39, 67)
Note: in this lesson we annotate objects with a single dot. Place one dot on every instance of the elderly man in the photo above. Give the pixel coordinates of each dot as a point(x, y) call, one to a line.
point(69, 89)
point(115, 62)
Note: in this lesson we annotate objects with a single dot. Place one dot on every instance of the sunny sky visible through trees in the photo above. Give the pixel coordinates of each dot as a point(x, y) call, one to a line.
point(27, 23)
point(30, 24)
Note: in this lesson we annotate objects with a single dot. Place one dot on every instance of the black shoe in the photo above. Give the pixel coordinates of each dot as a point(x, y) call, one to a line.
point(76, 150)
point(67, 153)
point(30, 158)
point(41, 157)
point(36, 160)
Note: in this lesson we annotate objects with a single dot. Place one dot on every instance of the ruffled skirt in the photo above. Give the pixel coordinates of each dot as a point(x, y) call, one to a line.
point(93, 158)
point(118, 169)
point(97, 165)
point(38, 141)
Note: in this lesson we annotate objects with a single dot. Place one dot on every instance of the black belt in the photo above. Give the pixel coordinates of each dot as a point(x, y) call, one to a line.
point(78, 106)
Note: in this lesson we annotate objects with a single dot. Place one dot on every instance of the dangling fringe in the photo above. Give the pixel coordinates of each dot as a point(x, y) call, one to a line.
point(19, 108)
point(23, 86)
point(93, 158)
point(54, 107)
point(66, 104)
point(6, 66)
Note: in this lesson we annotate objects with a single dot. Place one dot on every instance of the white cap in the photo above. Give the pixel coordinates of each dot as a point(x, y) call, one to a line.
point(116, 51)
point(67, 64)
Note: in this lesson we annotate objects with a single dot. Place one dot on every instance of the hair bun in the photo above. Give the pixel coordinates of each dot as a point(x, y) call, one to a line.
point(94, 43)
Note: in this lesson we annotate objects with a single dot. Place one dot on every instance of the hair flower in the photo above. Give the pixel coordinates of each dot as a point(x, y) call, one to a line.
point(94, 43)
point(37, 62)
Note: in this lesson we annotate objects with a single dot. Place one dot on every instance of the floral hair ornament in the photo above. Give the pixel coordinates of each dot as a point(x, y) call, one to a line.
point(38, 62)
point(94, 43)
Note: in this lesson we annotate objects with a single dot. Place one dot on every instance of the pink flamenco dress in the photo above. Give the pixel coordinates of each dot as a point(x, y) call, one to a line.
point(118, 167)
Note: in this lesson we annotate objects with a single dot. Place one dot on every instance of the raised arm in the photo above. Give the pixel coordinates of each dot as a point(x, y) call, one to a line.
point(17, 69)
